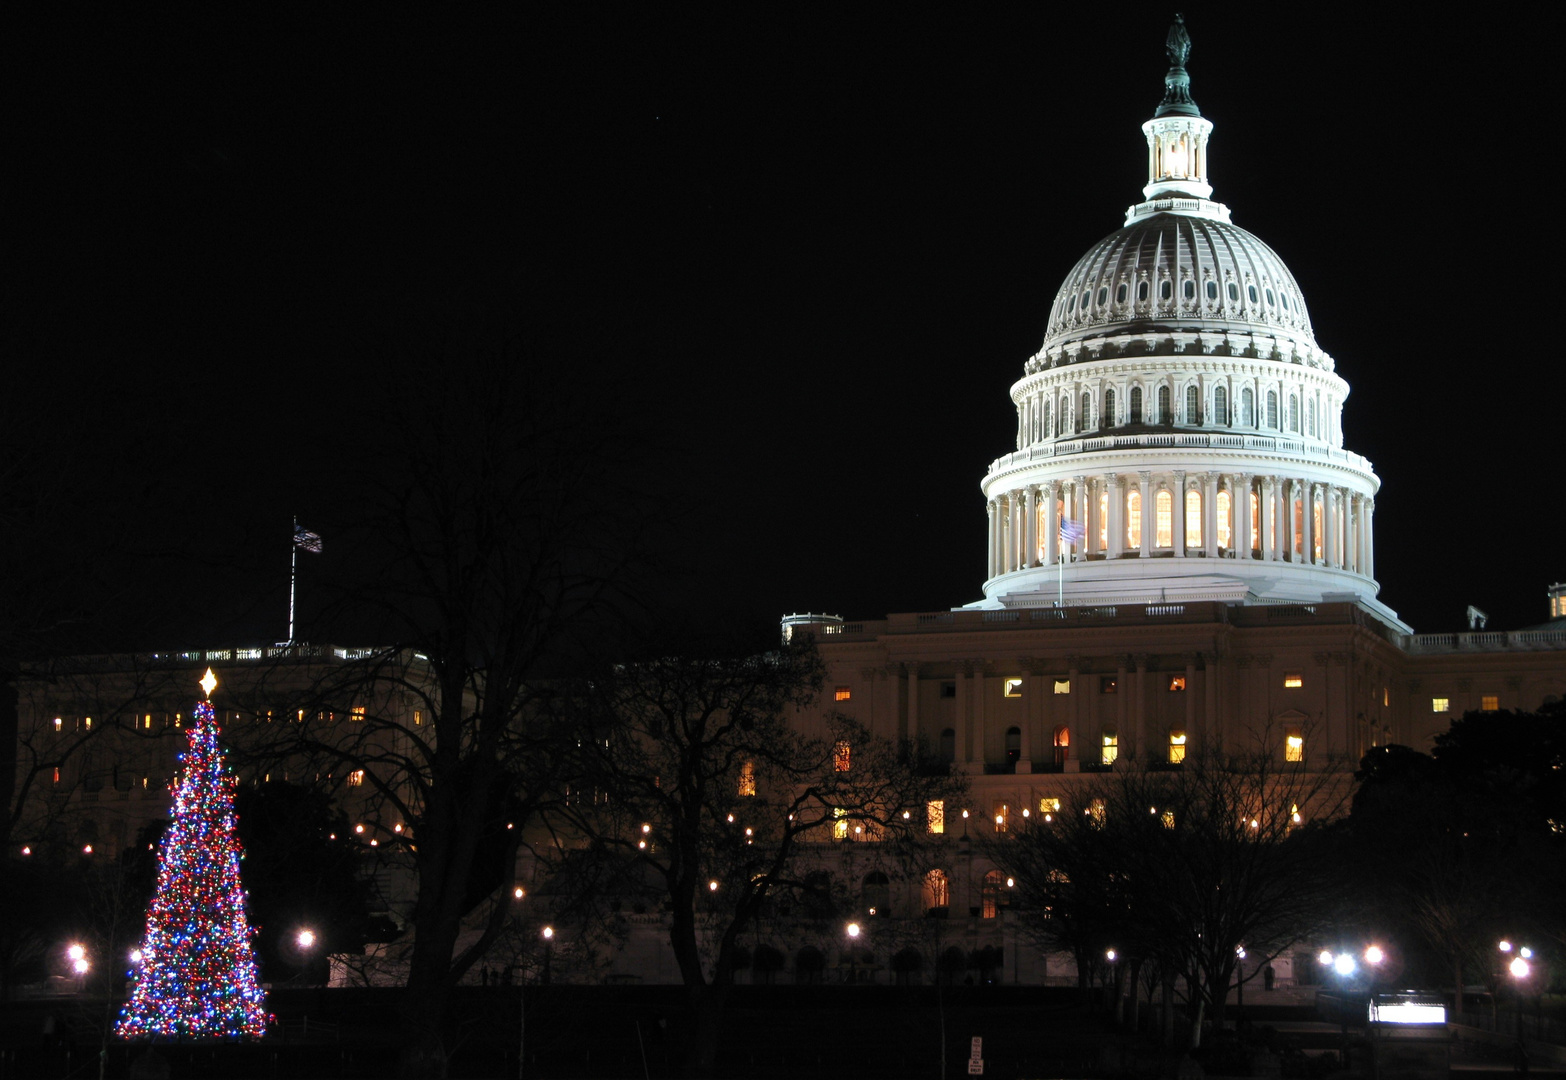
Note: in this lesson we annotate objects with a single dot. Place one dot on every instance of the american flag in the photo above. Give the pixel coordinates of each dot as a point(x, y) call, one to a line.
point(1071, 532)
point(306, 539)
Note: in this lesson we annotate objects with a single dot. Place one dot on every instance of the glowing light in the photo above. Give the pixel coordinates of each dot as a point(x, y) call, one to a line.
point(906, 815)
point(358, 828)
point(642, 845)
point(965, 815)
point(208, 682)
point(518, 893)
point(1519, 968)
point(397, 828)
point(549, 933)
point(646, 828)
point(1526, 953)
point(1374, 955)
point(1011, 883)
point(853, 929)
point(306, 939)
point(1344, 964)
point(1026, 812)
point(1325, 957)
point(712, 886)
point(80, 967)
point(27, 851)
point(76, 952)
point(136, 956)
point(1110, 956)
point(86, 849)
point(1506, 946)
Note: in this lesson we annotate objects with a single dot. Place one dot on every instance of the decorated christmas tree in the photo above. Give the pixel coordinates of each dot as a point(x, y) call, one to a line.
point(196, 976)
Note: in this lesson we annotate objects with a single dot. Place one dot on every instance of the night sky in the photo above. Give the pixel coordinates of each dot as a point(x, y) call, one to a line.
point(788, 262)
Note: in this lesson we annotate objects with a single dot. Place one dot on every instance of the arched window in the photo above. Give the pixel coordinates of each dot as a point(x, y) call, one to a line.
point(1193, 519)
point(1086, 414)
point(1176, 745)
point(1103, 520)
point(747, 779)
point(875, 893)
point(1247, 408)
point(1134, 519)
point(1061, 416)
point(1250, 293)
point(990, 894)
point(948, 749)
point(1165, 289)
point(1136, 405)
point(1255, 521)
point(1110, 750)
point(1188, 290)
point(1163, 406)
point(1120, 293)
point(843, 756)
point(1141, 291)
point(1109, 405)
point(1225, 505)
point(937, 893)
point(1062, 744)
point(1013, 745)
point(1272, 409)
point(1163, 520)
point(1046, 427)
point(1234, 293)
point(1221, 406)
point(1212, 290)
point(1294, 413)
point(1193, 399)
point(1311, 416)
point(1299, 528)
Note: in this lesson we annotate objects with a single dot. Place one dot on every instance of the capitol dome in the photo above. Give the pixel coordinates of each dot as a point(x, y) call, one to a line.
point(1179, 432)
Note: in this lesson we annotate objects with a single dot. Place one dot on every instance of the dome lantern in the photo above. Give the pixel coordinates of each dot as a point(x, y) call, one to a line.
point(1177, 144)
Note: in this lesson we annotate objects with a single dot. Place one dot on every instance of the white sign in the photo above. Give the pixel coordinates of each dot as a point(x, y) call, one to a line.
point(976, 1050)
point(975, 1067)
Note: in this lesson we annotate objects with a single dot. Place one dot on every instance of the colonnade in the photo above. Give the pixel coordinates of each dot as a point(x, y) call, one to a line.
point(1271, 518)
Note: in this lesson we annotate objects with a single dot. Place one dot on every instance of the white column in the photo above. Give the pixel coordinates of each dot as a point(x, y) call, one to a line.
point(1051, 522)
point(1210, 516)
point(1240, 496)
point(1370, 541)
point(990, 562)
point(911, 670)
point(1178, 490)
point(1116, 487)
point(1030, 526)
point(1079, 501)
point(1308, 521)
point(1145, 479)
point(1329, 524)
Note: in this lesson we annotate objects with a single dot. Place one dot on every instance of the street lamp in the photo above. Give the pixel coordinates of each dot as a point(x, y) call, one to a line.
point(1519, 969)
point(853, 931)
point(549, 940)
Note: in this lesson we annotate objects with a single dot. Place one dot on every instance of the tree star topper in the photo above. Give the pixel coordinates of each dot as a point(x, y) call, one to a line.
point(208, 683)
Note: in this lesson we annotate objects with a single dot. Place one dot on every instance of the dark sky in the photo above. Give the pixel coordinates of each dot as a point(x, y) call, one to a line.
point(791, 261)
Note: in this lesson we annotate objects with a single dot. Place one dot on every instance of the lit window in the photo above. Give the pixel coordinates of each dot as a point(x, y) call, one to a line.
point(1111, 748)
point(1062, 744)
point(1490, 702)
point(1163, 520)
point(1192, 405)
point(1012, 688)
point(1193, 519)
point(1440, 705)
point(1108, 684)
point(1097, 811)
point(356, 713)
point(1221, 406)
point(1167, 817)
point(1134, 519)
point(87, 723)
point(935, 816)
point(59, 723)
point(146, 722)
point(842, 756)
point(1223, 519)
point(989, 894)
point(356, 778)
point(300, 716)
point(842, 693)
point(1176, 683)
point(1386, 697)
point(1293, 681)
point(839, 823)
point(1176, 745)
point(57, 774)
point(936, 892)
point(1001, 815)
point(1062, 686)
point(1293, 744)
point(747, 778)
point(418, 717)
point(1049, 806)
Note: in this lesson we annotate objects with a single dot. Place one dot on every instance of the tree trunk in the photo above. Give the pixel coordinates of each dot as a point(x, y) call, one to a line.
point(1120, 994)
point(708, 1004)
point(1136, 995)
point(1166, 1010)
point(1196, 1022)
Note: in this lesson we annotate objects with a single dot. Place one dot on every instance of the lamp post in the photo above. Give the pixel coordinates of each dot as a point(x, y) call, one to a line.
point(1519, 969)
point(305, 941)
point(853, 931)
point(549, 940)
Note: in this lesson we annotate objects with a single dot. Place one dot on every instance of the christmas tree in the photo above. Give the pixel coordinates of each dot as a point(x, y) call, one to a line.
point(196, 976)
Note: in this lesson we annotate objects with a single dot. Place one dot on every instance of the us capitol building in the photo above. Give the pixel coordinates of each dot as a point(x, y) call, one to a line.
point(1180, 546)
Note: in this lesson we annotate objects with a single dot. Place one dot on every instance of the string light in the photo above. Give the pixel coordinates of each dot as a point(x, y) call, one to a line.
point(197, 975)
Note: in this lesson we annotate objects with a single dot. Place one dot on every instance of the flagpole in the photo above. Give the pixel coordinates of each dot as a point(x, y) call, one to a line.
point(293, 576)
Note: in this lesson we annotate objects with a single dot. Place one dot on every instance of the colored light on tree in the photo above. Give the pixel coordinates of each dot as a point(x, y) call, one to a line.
point(197, 977)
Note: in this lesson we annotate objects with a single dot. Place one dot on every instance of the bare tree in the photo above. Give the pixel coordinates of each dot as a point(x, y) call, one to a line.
point(699, 785)
point(1184, 865)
